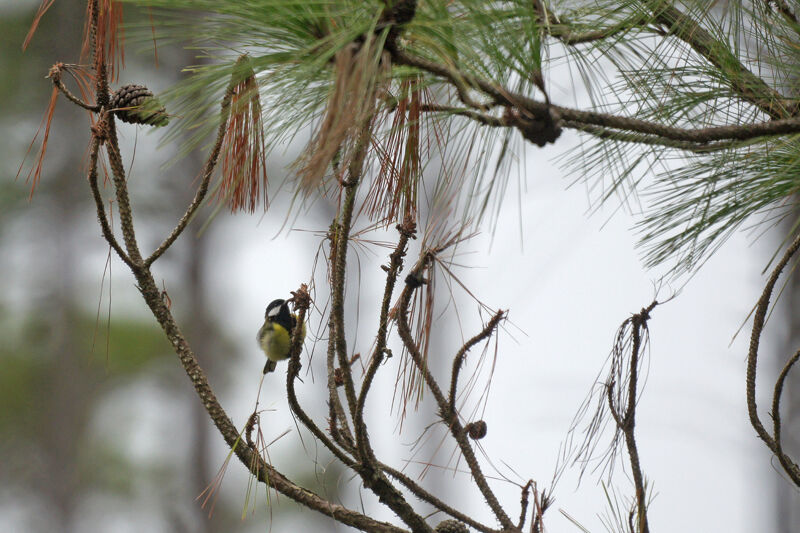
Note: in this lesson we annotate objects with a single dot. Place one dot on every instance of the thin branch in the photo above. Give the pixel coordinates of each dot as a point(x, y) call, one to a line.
point(576, 117)
point(337, 414)
point(337, 299)
point(98, 57)
point(208, 170)
point(458, 360)
point(563, 29)
point(413, 281)
point(755, 338)
point(106, 131)
point(55, 76)
point(638, 323)
point(302, 301)
point(788, 465)
point(391, 497)
point(626, 372)
point(651, 140)
point(483, 118)
point(105, 227)
point(341, 243)
point(407, 230)
point(619, 419)
point(570, 37)
point(121, 190)
point(615, 134)
point(523, 504)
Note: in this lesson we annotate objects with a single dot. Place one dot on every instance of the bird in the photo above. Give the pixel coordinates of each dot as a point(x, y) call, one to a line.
point(275, 336)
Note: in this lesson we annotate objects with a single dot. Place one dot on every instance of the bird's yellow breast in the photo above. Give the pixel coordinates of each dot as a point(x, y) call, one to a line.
point(275, 341)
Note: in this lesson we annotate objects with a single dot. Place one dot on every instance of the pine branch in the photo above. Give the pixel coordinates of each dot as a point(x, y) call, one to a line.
point(749, 86)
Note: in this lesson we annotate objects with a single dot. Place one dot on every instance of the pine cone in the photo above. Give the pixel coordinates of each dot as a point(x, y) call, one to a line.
point(476, 430)
point(135, 104)
point(451, 526)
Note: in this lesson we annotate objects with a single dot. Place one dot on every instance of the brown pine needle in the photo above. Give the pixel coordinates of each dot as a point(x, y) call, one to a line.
point(395, 187)
point(43, 7)
point(36, 171)
point(211, 492)
point(350, 104)
point(244, 167)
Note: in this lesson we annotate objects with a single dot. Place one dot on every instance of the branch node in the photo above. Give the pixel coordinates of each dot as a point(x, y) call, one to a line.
point(415, 280)
point(539, 129)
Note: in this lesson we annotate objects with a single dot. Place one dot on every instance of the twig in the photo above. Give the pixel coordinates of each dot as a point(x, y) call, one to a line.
point(208, 170)
point(652, 140)
point(355, 169)
point(302, 302)
point(523, 504)
point(55, 76)
point(407, 230)
point(755, 337)
point(626, 420)
point(541, 502)
point(601, 132)
point(639, 322)
point(458, 360)
point(563, 30)
point(337, 299)
point(337, 414)
point(788, 465)
point(108, 234)
point(456, 429)
point(368, 468)
point(121, 191)
point(483, 118)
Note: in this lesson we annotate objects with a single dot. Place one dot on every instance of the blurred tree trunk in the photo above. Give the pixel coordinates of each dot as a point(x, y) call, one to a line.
point(200, 331)
point(68, 392)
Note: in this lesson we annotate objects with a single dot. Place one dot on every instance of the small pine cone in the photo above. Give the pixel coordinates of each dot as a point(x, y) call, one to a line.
point(135, 104)
point(451, 526)
point(476, 430)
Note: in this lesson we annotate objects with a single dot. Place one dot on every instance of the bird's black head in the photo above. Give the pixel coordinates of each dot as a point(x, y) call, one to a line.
point(278, 312)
